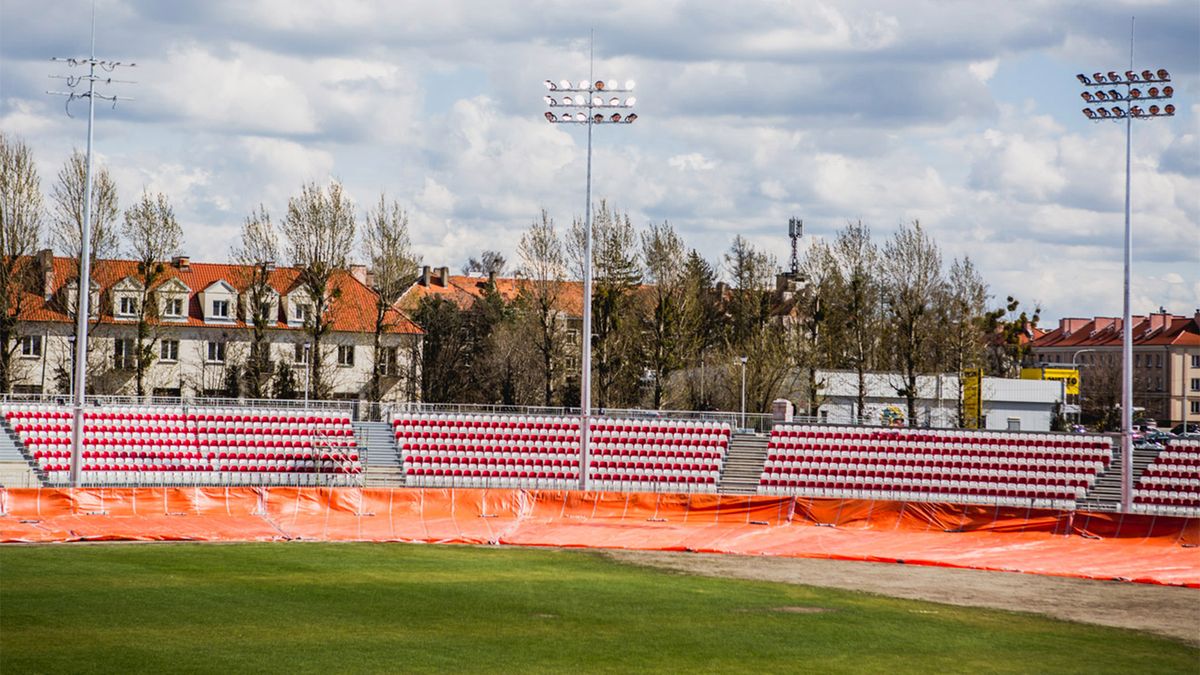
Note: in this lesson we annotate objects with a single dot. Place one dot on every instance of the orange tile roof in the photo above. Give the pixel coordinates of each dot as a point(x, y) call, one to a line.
point(353, 311)
point(465, 290)
point(1176, 330)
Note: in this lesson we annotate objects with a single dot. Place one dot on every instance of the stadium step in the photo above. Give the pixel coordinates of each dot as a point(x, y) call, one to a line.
point(1105, 494)
point(383, 476)
point(743, 464)
point(379, 443)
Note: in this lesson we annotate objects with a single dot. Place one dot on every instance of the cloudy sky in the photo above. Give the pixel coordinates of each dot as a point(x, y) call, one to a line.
point(964, 115)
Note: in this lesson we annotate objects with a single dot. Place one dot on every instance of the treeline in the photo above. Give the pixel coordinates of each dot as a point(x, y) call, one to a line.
point(671, 328)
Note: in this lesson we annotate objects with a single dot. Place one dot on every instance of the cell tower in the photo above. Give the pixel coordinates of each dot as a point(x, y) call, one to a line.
point(85, 263)
point(795, 231)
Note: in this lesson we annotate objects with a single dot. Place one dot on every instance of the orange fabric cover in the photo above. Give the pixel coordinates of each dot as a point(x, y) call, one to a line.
point(1162, 550)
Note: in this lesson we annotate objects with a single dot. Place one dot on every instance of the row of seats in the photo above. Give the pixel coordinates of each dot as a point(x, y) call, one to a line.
point(952, 465)
point(464, 442)
point(199, 446)
point(1170, 485)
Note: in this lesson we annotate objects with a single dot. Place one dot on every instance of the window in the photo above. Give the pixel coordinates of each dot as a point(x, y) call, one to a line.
point(1137, 360)
point(1158, 360)
point(220, 309)
point(1196, 384)
point(1196, 360)
point(264, 311)
point(123, 353)
point(346, 355)
point(388, 362)
point(31, 346)
point(128, 306)
point(173, 307)
point(216, 352)
point(303, 311)
point(302, 349)
point(1196, 407)
point(1157, 383)
point(168, 350)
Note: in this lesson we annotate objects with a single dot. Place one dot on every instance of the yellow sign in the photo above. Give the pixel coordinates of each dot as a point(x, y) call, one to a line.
point(1069, 376)
point(972, 398)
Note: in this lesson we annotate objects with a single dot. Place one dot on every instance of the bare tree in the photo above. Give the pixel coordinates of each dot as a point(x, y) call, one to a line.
point(817, 333)
point(854, 308)
point(543, 265)
point(20, 229)
point(753, 330)
point(663, 269)
point(912, 280)
point(256, 253)
point(964, 320)
point(393, 265)
point(320, 233)
point(66, 224)
point(489, 263)
point(700, 322)
point(152, 235)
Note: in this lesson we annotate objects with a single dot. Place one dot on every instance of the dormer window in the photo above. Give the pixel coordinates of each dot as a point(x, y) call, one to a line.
point(220, 309)
point(173, 308)
point(127, 306)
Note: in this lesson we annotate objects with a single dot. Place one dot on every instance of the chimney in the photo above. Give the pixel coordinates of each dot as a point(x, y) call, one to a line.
point(45, 260)
point(1159, 320)
point(492, 277)
point(1102, 323)
point(269, 266)
point(182, 263)
point(425, 275)
point(1068, 326)
point(444, 276)
point(359, 272)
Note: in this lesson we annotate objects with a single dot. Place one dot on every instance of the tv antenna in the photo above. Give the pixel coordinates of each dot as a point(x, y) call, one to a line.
point(74, 83)
point(795, 231)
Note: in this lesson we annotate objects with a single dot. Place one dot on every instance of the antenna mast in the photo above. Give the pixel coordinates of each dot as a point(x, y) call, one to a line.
point(795, 231)
point(82, 311)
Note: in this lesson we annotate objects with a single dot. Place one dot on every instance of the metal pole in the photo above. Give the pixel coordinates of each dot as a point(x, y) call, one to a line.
point(743, 392)
point(1127, 327)
point(85, 280)
point(307, 370)
point(585, 385)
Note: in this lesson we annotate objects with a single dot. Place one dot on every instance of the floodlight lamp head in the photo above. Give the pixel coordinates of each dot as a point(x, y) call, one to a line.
point(597, 101)
point(614, 101)
point(1083, 79)
point(630, 101)
point(580, 117)
point(1103, 112)
point(585, 85)
point(1098, 77)
point(1101, 96)
point(1135, 93)
point(1115, 95)
point(1131, 76)
point(599, 85)
point(564, 84)
point(1154, 110)
point(1169, 109)
point(1088, 112)
point(1087, 96)
point(1136, 111)
point(631, 118)
point(597, 118)
point(1163, 74)
point(551, 117)
point(615, 117)
point(550, 85)
point(1114, 77)
point(550, 101)
point(611, 84)
point(629, 84)
point(1148, 75)
point(1118, 113)
point(1153, 92)
point(1168, 91)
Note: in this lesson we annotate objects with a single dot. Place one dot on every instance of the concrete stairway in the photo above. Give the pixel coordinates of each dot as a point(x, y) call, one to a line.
point(1105, 494)
point(16, 469)
point(382, 466)
point(743, 464)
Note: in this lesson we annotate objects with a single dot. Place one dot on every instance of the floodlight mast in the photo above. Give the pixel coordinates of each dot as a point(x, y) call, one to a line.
point(585, 98)
point(1133, 94)
point(83, 297)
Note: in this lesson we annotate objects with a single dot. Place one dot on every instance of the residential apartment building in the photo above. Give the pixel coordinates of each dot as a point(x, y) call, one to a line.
point(1166, 359)
point(202, 326)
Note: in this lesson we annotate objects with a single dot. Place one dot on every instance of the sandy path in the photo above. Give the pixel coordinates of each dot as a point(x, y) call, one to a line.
point(1165, 610)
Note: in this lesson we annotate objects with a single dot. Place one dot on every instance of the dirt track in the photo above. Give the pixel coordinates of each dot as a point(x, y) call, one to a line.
point(1169, 611)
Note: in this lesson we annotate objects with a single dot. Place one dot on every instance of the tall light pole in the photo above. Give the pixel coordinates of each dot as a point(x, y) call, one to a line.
point(589, 103)
point(743, 360)
point(1124, 106)
point(82, 311)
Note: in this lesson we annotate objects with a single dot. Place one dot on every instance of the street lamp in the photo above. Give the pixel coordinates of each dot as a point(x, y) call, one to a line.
point(743, 360)
point(1075, 367)
point(588, 102)
point(1123, 95)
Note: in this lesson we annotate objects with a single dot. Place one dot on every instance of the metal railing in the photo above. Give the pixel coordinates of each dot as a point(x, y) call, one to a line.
point(185, 401)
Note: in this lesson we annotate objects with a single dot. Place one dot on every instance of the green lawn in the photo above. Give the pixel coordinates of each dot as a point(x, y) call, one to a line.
point(325, 608)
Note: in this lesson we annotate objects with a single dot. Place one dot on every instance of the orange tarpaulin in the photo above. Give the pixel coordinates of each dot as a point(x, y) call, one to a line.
point(1141, 548)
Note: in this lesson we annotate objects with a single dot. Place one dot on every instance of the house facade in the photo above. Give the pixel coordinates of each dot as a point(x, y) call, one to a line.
point(1166, 360)
point(201, 327)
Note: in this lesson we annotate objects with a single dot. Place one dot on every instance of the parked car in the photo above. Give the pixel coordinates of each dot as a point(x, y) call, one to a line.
point(1192, 428)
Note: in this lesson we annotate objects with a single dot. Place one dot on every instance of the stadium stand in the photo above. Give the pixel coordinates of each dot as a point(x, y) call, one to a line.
point(162, 445)
point(543, 452)
point(1039, 470)
point(1170, 485)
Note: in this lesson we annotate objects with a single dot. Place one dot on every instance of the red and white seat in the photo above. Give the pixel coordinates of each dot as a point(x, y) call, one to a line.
point(657, 455)
point(1040, 470)
point(1170, 485)
point(199, 446)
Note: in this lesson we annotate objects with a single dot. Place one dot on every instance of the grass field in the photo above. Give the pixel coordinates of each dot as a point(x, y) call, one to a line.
point(325, 608)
